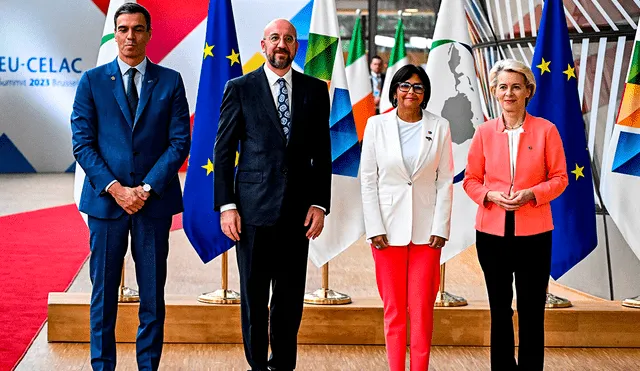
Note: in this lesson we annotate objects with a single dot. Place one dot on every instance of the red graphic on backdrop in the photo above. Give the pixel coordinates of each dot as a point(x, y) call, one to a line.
point(171, 23)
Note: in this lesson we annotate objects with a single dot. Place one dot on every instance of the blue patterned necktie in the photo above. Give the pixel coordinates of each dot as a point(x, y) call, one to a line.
point(283, 108)
point(132, 92)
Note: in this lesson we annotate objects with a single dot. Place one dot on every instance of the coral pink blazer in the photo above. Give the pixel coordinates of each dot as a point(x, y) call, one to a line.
point(540, 166)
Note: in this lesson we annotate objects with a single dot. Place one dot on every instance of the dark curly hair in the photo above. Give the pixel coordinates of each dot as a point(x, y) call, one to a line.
point(404, 74)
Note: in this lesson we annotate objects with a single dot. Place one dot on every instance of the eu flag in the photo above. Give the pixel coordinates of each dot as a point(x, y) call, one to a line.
point(221, 62)
point(556, 99)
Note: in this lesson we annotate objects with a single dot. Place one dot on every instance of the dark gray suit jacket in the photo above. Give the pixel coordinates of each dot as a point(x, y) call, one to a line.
point(270, 170)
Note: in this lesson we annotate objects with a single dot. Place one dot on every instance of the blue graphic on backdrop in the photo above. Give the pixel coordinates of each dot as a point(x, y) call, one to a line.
point(627, 158)
point(13, 161)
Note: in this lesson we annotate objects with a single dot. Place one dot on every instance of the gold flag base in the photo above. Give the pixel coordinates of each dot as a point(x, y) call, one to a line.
point(326, 297)
point(128, 295)
point(632, 302)
point(220, 297)
point(444, 299)
point(557, 302)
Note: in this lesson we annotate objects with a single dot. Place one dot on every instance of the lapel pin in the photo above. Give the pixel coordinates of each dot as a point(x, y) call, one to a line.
point(530, 148)
point(429, 132)
point(113, 78)
point(429, 138)
point(149, 81)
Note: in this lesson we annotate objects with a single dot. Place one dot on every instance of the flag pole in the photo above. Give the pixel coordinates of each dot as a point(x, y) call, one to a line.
point(445, 299)
point(126, 294)
point(554, 301)
point(222, 295)
point(324, 295)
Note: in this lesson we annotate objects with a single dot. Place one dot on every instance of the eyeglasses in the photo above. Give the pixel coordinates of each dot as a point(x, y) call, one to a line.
point(274, 39)
point(406, 86)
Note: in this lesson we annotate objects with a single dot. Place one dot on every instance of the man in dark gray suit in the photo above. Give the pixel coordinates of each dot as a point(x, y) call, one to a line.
point(280, 194)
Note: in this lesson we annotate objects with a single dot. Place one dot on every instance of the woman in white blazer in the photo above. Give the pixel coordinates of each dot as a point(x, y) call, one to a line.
point(407, 189)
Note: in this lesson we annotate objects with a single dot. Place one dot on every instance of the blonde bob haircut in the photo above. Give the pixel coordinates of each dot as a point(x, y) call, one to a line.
point(512, 65)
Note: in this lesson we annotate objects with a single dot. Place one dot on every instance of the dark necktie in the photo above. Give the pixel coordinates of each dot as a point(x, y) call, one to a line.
point(132, 92)
point(283, 108)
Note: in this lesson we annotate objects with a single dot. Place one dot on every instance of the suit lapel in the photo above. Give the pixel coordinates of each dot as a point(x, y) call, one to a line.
point(149, 81)
point(118, 90)
point(426, 141)
point(265, 97)
point(391, 131)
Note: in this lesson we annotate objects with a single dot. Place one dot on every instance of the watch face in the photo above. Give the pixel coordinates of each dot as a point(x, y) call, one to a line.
point(146, 188)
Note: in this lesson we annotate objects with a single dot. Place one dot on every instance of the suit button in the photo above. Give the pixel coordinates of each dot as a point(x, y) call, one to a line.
point(409, 183)
point(132, 173)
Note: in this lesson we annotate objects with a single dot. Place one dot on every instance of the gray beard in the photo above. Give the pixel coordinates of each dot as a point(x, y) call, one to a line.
point(279, 64)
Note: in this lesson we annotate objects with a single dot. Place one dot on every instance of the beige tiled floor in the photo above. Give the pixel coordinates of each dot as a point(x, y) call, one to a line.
point(351, 272)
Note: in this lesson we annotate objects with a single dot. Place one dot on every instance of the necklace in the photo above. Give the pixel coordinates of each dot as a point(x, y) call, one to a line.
point(519, 124)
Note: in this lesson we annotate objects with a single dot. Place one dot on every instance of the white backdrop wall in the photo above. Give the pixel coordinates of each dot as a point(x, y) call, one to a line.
point(47, 44)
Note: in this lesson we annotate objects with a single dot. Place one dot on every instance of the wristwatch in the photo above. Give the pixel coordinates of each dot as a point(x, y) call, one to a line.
point(146, 187)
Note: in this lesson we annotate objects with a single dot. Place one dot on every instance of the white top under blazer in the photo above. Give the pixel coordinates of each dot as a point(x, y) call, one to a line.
point(407, 207)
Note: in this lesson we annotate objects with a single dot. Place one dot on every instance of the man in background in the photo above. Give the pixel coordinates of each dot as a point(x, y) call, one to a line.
point(377, 79)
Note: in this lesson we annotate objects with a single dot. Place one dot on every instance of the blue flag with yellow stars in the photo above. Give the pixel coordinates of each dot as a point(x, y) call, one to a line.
point(221, 62)
point(556, 99)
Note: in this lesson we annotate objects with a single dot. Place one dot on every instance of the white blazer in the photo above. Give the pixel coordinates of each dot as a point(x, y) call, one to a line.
point(406, 207)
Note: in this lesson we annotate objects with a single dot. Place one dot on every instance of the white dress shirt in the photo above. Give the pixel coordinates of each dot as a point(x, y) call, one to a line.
point(514, 140)
point(137, 80)
point(272, 79)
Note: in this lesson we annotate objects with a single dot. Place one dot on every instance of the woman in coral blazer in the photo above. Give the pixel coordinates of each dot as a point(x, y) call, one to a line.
point(407, 188)
point(516, 166)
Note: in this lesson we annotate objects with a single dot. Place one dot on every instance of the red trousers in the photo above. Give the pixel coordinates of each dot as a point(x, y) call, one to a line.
point(408, 278)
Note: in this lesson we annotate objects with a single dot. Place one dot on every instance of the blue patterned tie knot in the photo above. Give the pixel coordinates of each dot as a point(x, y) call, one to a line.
point(283, 108)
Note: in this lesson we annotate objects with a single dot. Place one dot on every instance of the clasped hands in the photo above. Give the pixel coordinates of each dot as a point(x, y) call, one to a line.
point(380, 242)
point(230, 223)
point(130, 199)
point(510, 202)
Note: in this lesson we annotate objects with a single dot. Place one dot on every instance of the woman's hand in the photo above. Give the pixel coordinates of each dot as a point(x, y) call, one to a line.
point(380, 242)
point(522, 197)
point(502, 200)
point(436, 242)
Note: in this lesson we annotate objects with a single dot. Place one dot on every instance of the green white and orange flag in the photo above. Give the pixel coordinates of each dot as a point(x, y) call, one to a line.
point(397, 59)
point(621, 168)
point(107, 53)
point(344, 225)
point(358, 80)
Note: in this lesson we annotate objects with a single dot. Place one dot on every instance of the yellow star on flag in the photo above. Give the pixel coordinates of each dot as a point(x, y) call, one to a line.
point(208, 50)
point(208, 166)
point(544, 67)
point(570, 72)
point(234, 57)
point(578, 171)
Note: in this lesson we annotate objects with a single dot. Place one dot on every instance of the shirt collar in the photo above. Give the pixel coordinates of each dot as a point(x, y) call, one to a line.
point(124, 68)
point(273, 78)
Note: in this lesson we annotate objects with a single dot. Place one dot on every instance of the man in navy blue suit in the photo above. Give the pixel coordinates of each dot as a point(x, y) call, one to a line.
point(278, 198)
point(130, 125)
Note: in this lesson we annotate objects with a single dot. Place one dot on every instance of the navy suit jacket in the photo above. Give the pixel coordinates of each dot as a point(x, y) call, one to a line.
point(109, 145)
point(268, 167)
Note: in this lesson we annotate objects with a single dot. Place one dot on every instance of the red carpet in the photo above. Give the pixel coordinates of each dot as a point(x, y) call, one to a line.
point(40, 252)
